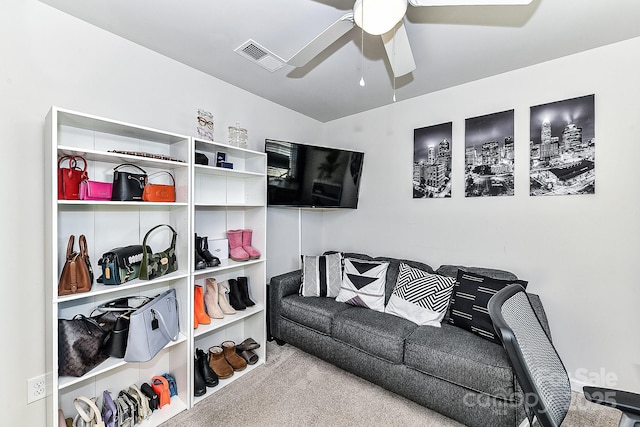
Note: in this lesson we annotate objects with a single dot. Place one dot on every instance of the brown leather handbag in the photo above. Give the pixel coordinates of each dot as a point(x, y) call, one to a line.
point(77, 274)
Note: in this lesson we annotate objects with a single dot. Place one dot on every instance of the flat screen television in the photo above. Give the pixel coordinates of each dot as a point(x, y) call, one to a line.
point(302, 175)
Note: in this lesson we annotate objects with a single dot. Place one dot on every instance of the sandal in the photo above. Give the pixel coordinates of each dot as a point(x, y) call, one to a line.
point(248, 344)
point(249, 356)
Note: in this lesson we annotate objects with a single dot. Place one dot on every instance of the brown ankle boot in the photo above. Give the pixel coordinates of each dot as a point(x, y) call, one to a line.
point(219, 363)
point(237, 362)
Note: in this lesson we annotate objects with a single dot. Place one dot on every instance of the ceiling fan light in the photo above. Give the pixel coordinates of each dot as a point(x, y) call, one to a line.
point(378, 16)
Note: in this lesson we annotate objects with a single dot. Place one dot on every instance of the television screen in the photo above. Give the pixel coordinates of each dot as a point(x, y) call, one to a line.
point(303, 175)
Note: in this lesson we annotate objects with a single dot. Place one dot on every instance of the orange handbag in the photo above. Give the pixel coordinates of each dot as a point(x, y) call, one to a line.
point(159, 192)
point(160, 385)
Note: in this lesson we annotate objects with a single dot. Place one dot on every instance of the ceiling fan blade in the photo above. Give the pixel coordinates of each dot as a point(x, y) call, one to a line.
point(322, 41)
point(396, 43)
point(418, 3)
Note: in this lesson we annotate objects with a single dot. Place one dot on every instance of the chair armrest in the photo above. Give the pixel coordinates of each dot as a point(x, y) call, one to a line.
point(624, 401)
point(538, 308)
point(280, 287)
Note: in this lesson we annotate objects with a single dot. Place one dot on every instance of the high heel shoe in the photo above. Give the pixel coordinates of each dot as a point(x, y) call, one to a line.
point(243, 287)
point(211, 298)
point(223, 301)
point(234, 295)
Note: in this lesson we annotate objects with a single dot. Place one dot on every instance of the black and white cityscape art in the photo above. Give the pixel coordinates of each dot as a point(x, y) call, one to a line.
point(489, 155)
point(562, 147)
point(432, 161)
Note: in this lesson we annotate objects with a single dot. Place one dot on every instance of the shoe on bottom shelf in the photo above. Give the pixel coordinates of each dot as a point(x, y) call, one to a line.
point(202, 364)
point(236, 362)
point(218, 363)
point(199, 387)
point(249, 356)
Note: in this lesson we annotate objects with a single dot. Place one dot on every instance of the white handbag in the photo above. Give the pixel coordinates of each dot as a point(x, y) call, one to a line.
point(83, 419)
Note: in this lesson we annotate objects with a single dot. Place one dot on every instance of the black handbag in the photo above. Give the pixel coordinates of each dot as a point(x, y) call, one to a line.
point(128, 186)
point(160, 263)
point(117, 313)
point(121, 265)
point(154, 400)
point(80, 344)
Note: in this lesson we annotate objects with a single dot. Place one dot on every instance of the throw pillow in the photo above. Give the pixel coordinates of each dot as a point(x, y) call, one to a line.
point(419, 296)
point(471, 295)
point(363, 283)
point(321, 275)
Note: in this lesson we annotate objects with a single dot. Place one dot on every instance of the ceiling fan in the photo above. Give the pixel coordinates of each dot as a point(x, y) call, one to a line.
point(386, 19)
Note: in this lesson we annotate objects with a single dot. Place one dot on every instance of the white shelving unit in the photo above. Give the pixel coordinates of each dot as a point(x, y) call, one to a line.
point(230, 199)
point(107, 225)
point(209, 201)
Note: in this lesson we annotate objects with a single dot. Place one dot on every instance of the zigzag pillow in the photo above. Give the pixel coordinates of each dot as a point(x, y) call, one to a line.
point(363, 283)
point(419, 296)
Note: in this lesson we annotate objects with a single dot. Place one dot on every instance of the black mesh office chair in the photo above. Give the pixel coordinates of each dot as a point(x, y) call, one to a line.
point(538, 367)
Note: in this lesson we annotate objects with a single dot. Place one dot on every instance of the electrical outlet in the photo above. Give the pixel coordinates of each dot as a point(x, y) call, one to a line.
point(36, 388)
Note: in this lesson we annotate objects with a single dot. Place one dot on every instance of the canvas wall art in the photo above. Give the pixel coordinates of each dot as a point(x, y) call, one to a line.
point(562, 147)
point(489, 155)
point(432, 161)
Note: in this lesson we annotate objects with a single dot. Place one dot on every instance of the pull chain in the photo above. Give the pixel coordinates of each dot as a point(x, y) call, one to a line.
point(362, 83)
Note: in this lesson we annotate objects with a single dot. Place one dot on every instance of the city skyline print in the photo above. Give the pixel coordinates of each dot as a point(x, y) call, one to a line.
point(562, 147)
point(432, 161)
point(489, 155)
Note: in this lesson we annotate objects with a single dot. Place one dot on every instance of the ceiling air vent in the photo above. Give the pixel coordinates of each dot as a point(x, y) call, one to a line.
point(259, 55)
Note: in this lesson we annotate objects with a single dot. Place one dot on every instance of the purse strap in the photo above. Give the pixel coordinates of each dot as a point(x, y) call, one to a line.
point(93, 416)
point(74, 165)
point(144, 241)
point(82, 243)
point(173, 181)
point(70, 246)
point(113, 304)
point(129, 164)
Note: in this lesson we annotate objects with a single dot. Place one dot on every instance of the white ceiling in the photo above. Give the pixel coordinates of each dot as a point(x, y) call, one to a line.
point(451, 45)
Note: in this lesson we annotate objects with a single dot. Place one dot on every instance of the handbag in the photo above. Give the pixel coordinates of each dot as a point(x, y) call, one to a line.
point(80, 342)
point(151, 396)
point(117, 312)
point(158, 264)
point(159, 192)
point(95, 190)
point(144, 410)
point(121, 265)
point(84, 419)
point(173, 386)
point(69, 178)
point(161, 387)
point(125, 412)
point(128, 186)
point(152, 326)
point(77, 273)
point(109, 410)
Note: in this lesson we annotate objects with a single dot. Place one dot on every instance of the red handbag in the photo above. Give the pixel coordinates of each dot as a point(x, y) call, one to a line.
point(159, 192)
point(69, 178)
point(160, 385)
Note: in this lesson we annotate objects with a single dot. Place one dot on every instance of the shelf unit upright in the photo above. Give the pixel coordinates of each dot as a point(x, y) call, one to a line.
point(232, 199)
point(107, 225)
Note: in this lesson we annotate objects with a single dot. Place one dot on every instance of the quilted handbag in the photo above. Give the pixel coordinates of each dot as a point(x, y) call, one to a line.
point(152, 326)
point(161, 387)
point(89, 417)
point(159, 192)
point(158, 264)
point(95, 190)
point(77, 273)
point(121, 265)
point(128, 186)
point(69, 177)
point(80, 341)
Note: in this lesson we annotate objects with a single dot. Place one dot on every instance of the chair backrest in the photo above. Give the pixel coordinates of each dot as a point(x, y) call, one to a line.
point(538, 367)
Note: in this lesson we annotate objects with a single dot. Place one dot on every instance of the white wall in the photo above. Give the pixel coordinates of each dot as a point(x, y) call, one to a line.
point(49, 58)
point(579, 253)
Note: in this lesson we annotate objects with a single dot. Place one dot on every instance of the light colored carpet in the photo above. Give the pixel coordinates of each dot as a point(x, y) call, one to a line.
point(296, 389)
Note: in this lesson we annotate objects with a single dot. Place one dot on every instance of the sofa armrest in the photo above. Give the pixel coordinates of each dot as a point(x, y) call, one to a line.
point(538, 308)
point(279, 287)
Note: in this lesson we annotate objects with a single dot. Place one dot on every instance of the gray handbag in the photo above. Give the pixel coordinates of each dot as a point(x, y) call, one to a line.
point(152, 326)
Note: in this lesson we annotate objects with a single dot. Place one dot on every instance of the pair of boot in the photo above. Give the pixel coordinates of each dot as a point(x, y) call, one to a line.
point(203, 375)
point(224, 360)
point(211, 304)
point(240, 248)
point(204, 258)
point(226, 297)
point(239, 293)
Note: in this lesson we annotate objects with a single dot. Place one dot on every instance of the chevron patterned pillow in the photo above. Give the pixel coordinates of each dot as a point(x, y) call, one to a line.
point(419, 296)
point(363, 283)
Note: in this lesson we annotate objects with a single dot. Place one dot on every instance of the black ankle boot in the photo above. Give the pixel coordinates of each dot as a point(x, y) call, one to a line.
point(202, 364)
point(199, 387)
point(200, 262)
point(243, 286)
point(234, 295)
point(202, 246)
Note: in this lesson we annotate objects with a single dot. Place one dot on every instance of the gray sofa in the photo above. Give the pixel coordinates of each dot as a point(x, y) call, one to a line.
point(447, 369)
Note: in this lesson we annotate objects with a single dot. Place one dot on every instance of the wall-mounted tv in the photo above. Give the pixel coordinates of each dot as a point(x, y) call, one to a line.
point(302, 175)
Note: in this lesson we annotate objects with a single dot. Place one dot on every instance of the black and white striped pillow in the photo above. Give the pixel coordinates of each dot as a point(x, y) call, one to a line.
point(471, 295)
point(420, 296)
point(321, 275)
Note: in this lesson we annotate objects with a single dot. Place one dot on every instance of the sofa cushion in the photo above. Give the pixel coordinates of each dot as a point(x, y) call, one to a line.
point(313, 312)
point(420, 297)
point(471, 295)
point(452, 271)
point(462, 358)
point(378, 334)
point(394, 268)
point(321, 275)
point(363, 283)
